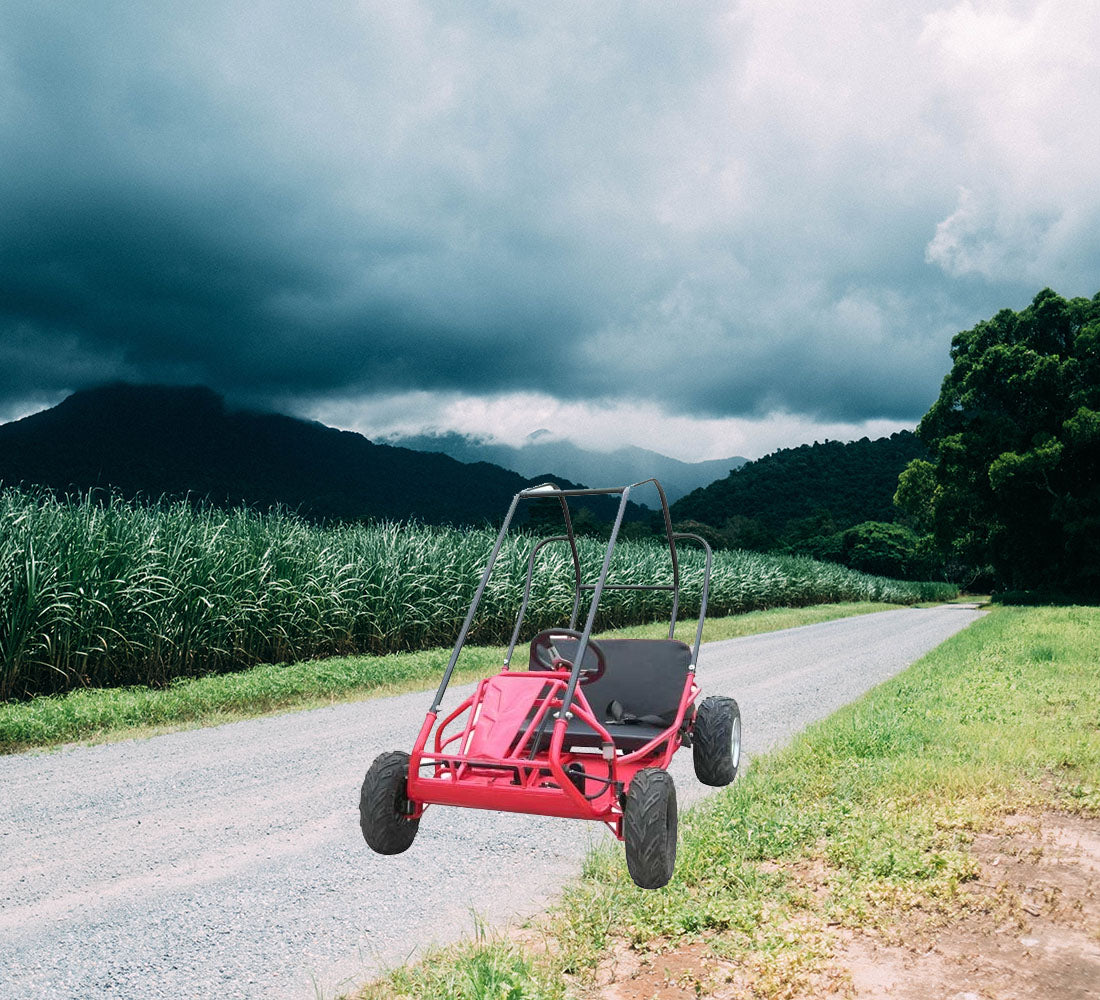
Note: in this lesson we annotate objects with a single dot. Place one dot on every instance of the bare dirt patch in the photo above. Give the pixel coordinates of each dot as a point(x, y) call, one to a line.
point(1031, 926)
point(1028, 927)
point(626, 975)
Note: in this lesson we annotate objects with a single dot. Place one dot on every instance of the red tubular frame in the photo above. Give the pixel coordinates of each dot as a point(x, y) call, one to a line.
point(535, 783)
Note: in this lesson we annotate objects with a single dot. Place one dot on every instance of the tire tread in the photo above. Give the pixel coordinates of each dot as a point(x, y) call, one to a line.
point(648, 829)
point(711, 741)
point(385, 830)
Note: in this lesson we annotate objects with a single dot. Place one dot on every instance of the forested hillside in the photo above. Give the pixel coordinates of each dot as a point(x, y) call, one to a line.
point(798, 495)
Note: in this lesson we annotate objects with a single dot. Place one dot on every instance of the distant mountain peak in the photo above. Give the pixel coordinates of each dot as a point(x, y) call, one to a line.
point(142, 397)
point(543, 449)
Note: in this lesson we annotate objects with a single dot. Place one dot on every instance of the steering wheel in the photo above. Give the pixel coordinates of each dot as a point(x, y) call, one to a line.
point(548, 657)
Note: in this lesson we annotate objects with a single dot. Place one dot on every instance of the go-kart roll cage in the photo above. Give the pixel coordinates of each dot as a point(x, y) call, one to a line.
point(550, 490)
point(536, 741)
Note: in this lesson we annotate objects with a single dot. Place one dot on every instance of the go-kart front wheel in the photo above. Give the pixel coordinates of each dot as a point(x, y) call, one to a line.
point(649, 828)
point(384, 807)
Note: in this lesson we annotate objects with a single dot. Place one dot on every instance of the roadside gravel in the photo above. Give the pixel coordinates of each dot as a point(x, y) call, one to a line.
point(228, 862)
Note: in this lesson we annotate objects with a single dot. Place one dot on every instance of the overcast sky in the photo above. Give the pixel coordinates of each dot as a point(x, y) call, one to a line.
point(710, 229)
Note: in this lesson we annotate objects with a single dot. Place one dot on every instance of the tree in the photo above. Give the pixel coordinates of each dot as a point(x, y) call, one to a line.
point(1014, 480)
point(882, 548)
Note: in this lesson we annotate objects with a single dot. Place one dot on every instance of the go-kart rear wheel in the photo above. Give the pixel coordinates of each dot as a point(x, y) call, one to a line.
point(716, 741)
point(384, 805)
point(649, 828)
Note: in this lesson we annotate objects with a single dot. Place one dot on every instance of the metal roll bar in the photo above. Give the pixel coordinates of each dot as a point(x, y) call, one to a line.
point(545, 491)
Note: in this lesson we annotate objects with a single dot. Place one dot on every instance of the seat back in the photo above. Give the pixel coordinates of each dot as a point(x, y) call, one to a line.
point(505, 706)
point(644, 677)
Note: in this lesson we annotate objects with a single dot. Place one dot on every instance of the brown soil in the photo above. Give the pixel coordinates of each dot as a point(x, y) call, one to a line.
point(1027, 929)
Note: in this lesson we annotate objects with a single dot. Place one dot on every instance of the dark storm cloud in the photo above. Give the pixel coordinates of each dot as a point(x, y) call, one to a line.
point(664, 202)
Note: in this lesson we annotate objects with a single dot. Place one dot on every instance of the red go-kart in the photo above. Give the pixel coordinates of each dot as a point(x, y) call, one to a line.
point(587, 731)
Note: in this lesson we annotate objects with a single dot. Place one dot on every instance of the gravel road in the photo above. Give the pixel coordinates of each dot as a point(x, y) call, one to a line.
point(228, 862)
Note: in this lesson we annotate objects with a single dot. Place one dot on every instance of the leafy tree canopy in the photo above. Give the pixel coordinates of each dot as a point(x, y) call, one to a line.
point(1014, 481)
point(882, 548)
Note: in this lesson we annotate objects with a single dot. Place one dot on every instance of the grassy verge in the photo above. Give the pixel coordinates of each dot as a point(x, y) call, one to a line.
point(868, 815)
point(119, 713)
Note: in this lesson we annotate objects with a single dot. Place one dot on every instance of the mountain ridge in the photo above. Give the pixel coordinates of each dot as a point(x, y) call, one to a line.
point(152, 441)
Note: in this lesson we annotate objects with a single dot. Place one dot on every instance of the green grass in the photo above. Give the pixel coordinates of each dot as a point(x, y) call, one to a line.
point(868, 814)
point(118, 713)
point(108, 594)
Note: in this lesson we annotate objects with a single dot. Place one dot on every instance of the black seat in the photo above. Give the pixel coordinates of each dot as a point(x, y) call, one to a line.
point(638, 695)
point(628, 736)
